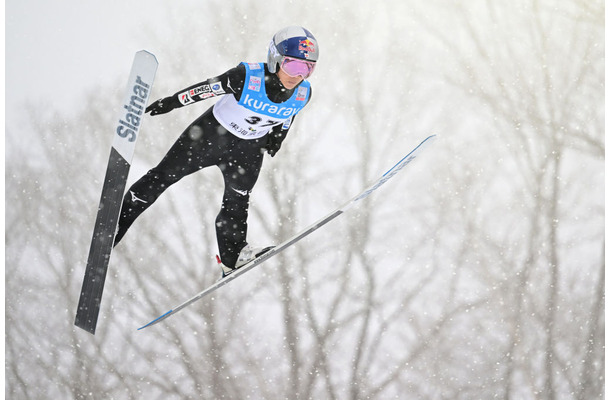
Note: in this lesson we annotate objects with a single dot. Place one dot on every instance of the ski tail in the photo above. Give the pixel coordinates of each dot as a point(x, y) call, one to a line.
point(101, 244)
point(156, 320)
point(127, 129)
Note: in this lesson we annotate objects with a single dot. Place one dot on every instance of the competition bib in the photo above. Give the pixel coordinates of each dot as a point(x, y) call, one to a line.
point(254, 114)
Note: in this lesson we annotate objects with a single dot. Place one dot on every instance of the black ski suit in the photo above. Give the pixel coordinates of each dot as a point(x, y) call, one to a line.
point(205, 143)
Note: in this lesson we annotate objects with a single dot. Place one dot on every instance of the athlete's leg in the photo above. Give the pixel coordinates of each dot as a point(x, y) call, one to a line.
point(240, 172)
point(199, 146)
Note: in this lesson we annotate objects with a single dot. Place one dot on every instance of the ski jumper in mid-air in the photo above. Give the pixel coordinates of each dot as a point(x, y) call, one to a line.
point(258, 105)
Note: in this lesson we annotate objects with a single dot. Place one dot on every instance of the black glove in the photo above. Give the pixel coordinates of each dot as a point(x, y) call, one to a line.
point(274, 142)
point(163, 106)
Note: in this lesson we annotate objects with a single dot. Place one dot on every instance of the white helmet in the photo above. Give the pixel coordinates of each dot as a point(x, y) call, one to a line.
point(295, 42)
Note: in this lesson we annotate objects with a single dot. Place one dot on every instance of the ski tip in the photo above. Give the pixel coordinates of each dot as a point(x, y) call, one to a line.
point(431, 138)
point(154, 321)
point(148, 54)
point(424, 143)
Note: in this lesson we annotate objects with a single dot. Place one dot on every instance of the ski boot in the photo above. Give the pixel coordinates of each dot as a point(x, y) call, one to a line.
point(247, 254)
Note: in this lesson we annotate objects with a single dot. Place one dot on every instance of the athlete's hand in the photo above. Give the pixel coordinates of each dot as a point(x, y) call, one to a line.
point(162, 106)
point(274, 142)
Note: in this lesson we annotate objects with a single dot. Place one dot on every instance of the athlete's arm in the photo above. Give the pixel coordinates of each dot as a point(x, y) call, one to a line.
point(231, 82)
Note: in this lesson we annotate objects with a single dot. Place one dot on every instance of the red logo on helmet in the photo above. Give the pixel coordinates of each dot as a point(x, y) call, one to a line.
point(307, 45)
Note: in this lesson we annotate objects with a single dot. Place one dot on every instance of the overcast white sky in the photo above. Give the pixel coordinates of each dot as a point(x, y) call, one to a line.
point(57, 49)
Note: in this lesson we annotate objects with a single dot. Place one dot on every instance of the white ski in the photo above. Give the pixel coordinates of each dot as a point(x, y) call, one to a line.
point(126, 130)
point(281, 247)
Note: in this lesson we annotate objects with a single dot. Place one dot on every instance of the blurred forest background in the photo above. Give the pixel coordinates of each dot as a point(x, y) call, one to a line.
point(477, 273)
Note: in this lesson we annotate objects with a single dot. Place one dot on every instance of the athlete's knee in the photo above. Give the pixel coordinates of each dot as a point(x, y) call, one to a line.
point(164, 177)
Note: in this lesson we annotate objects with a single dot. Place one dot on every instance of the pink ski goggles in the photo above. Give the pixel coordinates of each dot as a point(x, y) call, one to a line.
point(295, 67)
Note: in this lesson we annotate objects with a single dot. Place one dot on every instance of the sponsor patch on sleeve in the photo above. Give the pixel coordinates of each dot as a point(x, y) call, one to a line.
point(203, 91)
point(217, 88)
point(185, 98)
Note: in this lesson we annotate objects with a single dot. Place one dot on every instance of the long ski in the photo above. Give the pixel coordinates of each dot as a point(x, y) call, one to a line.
point(281, 247)
point(126, 132)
